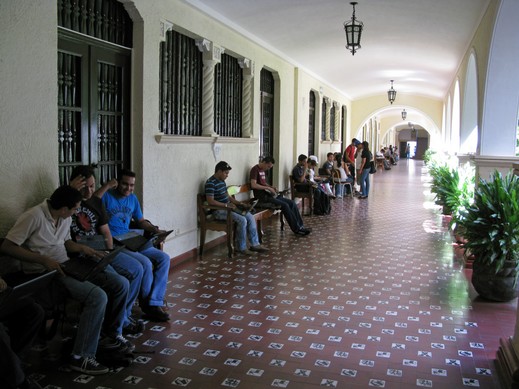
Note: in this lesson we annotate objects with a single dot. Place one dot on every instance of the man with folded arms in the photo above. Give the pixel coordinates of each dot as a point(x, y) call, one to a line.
point(268, 193)
point(40, 239)
point(122, 206)
point(216, 194)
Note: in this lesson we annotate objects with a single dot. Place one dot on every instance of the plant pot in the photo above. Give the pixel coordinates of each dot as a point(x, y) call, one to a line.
point(500, 286)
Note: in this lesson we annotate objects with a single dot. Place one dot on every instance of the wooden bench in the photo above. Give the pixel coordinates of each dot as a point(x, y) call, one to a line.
point(208, 222)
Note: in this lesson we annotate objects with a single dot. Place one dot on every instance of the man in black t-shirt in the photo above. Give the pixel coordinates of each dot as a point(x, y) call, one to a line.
point(91, 219)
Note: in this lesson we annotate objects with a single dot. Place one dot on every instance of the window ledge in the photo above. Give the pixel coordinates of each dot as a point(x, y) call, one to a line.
point(181, 139)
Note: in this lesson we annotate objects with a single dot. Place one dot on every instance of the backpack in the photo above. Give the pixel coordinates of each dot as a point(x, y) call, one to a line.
point(322, 205)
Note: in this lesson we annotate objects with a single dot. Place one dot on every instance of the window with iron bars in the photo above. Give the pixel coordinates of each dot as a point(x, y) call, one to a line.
point(180, 86)
point(228, 80)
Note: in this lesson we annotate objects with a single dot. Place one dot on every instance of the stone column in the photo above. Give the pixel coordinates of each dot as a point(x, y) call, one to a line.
point(248, 75)
point(327, 117)
point(337, 124)
point(211, 55)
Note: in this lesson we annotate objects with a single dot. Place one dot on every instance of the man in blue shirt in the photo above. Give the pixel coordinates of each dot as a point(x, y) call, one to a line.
point(216, 194)
point(122, 206)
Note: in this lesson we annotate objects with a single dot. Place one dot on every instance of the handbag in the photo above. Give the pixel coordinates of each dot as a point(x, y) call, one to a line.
point(373, 168)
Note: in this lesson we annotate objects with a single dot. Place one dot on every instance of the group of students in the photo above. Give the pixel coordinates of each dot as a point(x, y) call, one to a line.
point(267, 195)
point(388, 155)
point(44, 237)
point(353, 166)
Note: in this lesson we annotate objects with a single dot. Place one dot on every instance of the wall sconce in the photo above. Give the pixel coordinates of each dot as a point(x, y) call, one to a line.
point(391, 94)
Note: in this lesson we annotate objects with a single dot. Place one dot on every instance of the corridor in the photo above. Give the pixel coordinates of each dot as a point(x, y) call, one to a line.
point(374, 297)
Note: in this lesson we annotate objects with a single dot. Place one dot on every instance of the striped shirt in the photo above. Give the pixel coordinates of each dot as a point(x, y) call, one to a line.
point(216, 189)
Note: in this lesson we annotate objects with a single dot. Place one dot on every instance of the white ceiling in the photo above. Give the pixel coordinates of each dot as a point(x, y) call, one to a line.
point(418, 43)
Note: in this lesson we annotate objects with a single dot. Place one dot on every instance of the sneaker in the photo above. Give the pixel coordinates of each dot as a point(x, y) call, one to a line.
point(87, 366)
point(125, 343)
point(258, 249)
point(246, 252)
point(134, 327)
point(155, 313)
point(117, 343)
point(303, 231)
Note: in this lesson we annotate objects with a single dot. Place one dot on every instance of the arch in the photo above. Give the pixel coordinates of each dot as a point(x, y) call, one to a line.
point(469, 110)
point(392, 119)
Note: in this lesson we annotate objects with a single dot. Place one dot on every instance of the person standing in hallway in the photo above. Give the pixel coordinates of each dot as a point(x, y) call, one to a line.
point(408, 151)
point(349, 156)
point(365, 167)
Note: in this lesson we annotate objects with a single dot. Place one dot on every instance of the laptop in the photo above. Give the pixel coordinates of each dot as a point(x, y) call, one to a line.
point(137, 242)
point(96, 242)
point(12, 298)
point(242, 209)
point(84, 268)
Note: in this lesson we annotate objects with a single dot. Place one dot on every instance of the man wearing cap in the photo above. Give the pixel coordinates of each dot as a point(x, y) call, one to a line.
point(216, 194)
point(349, 156)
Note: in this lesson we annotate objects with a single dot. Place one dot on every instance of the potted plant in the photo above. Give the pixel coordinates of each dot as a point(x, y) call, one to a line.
point(445, 183)
point(491, 227)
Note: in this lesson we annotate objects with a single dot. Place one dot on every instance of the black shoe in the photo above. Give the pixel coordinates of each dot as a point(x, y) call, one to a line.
point(303, 231)
point(135, 327)
point(155, 313)
point(87, 366)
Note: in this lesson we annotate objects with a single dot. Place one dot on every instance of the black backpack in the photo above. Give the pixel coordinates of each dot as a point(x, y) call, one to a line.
point(322, 205)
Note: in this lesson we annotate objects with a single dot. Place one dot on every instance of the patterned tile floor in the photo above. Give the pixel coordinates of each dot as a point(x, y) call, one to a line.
point(374, 297)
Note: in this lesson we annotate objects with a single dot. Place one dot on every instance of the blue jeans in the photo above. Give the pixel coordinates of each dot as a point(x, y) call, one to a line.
point(155, 269)
point(94, 301)
point(133, 271)
point(364, 182)
point(245, 225)
point(339, 187)
point(116, 287)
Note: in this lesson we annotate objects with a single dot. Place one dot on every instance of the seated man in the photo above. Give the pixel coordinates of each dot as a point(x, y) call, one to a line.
point(91, 219)
point(18, 330)
point(122, 206)
point(328, 164)
point(267, 193)
point(216, 194)
point(299, 173)
point(321, 205)
point(40, 239)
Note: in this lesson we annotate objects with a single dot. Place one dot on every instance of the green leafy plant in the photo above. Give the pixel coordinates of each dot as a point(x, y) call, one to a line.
point(428, 156)
point(445, 185)
point(491, 223)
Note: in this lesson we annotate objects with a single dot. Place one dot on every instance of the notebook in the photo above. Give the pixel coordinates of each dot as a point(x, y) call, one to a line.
point(96, 242)
point(84, 268)
point(11, 298)
point(137, 242)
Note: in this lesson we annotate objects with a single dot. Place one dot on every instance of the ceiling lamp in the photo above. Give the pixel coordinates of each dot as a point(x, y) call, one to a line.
point(353, 29)
point(391, 94)
point(404, 114)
